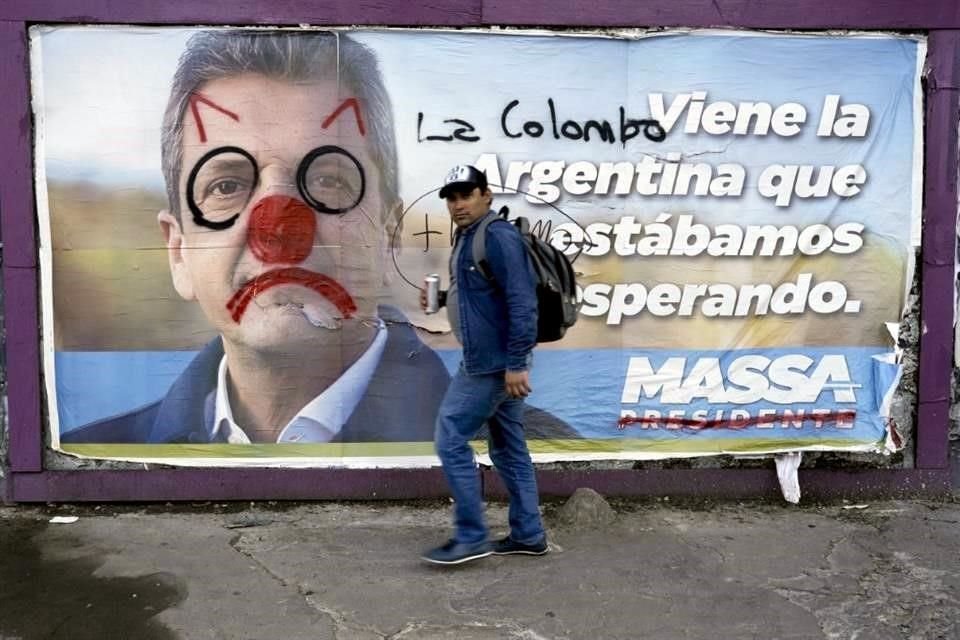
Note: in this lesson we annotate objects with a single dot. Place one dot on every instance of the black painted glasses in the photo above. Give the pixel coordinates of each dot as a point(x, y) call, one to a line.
point(221, 184)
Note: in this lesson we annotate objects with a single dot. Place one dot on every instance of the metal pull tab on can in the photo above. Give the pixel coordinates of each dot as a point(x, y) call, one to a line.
point(431, 284)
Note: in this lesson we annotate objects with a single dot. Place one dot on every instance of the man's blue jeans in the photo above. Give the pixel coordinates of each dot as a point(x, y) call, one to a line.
point(470, 401)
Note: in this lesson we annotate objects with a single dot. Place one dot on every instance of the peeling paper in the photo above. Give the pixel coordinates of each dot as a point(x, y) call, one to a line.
point(886, 376)
point(893, 328)
point(63, 519)
point(787, 466)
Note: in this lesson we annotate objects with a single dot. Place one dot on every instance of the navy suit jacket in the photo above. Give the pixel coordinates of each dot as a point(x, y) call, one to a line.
point(400, 403)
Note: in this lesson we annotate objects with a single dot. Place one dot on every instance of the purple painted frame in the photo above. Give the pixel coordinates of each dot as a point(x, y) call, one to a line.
point(29, 482)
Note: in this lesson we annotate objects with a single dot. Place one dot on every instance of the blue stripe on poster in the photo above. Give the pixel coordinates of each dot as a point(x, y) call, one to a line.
point(834, 393)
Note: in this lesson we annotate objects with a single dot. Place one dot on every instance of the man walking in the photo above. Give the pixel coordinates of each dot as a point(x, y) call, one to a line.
point(496, 322)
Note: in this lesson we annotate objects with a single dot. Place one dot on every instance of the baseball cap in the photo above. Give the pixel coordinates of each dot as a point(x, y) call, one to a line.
point(465, 175)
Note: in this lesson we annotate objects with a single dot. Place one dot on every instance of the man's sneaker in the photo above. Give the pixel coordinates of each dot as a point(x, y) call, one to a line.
point(507, 546)
point(454, 552)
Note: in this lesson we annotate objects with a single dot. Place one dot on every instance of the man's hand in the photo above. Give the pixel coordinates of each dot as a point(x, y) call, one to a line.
point(518, 384)
point(423, 299)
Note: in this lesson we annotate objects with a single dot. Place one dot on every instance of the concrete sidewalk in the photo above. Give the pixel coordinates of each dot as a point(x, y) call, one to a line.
point(883, 570)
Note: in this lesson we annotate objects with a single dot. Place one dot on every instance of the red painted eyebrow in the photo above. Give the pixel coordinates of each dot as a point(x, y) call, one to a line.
point(197, 98)
point(349, 102)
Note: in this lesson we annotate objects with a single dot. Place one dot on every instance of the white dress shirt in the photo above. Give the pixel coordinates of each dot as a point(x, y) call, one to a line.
point(324, 416)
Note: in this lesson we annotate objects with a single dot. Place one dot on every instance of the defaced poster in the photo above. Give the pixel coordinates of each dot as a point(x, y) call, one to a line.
point(235, 223)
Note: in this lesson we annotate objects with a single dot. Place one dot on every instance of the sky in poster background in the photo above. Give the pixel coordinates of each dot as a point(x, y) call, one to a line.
point(592, 77)
point(465, 76)
point(473, 77)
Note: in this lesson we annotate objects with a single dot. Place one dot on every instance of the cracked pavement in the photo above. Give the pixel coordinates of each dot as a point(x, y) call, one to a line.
point(352, 572)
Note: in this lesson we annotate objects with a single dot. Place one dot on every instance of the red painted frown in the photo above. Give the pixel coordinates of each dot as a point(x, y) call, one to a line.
point(324, 285)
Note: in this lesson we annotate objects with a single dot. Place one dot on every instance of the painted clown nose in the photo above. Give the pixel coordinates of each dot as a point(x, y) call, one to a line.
point(281, 230)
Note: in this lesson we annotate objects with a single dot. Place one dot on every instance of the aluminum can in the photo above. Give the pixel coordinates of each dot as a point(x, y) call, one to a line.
point(431, 284)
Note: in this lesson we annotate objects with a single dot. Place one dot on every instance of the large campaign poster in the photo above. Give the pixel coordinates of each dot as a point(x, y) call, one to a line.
point(235, 223)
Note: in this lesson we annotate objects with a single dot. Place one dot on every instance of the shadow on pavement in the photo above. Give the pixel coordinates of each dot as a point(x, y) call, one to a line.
point(46, 593)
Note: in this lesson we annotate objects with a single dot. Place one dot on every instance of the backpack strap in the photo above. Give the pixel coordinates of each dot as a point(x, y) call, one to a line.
point(479, 245)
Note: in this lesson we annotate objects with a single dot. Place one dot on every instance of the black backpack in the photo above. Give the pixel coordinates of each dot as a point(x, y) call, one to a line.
point(557, 306)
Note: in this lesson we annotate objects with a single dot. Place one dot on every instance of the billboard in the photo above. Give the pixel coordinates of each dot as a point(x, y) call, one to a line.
point(235, 223)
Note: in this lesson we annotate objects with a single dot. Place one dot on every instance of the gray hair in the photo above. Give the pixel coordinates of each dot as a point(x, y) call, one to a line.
point(288, 55)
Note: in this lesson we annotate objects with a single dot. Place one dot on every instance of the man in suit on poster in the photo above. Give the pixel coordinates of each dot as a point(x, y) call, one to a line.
point(280, 164)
